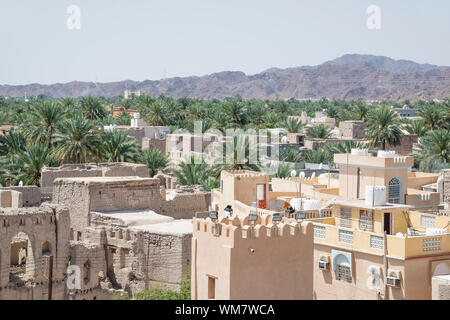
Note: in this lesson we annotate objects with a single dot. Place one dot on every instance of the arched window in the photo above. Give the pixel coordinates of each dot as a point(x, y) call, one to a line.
point(21, 257)
point(395, 191)
point(343, 268)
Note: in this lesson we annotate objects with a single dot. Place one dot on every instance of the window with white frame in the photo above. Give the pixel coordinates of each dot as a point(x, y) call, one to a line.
point(366, 220)
point(376, 242)
point(395, 193)
point(320, 232)
point(431, 244)
point(427, 221)
point(343, 273)
point(346, 218)
point(346, 236)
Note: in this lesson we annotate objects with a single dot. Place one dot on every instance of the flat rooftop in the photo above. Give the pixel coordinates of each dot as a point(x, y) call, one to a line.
point(133, 218)
point(243, 173)
point(150, 221)
point(109, 180)
point(362, 204)
point(173, 228)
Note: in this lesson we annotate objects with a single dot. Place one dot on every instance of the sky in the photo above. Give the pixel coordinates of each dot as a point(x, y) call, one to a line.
point(155, 39)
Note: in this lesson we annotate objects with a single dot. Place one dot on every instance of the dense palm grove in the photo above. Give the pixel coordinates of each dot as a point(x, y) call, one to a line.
point(51, 132)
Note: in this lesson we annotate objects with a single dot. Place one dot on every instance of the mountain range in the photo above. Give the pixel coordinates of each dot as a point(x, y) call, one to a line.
point(352, 76)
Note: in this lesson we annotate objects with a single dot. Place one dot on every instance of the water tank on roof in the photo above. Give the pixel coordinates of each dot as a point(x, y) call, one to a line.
point(375, 195)
point(435, 231)
point(385, 154)
point(311, 205)
point(360, 152)
point(137, 115)
point(297, 203)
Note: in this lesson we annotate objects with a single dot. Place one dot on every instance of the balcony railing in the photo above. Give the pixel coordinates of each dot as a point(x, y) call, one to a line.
point(365, 241)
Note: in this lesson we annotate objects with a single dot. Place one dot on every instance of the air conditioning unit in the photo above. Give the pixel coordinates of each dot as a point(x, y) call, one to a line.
point(324, 263)
point(393, 278)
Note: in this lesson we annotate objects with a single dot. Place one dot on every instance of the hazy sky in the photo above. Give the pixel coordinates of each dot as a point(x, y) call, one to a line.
point(153, 39)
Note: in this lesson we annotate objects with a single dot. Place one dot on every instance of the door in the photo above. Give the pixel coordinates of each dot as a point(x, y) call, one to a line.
point(387, 222)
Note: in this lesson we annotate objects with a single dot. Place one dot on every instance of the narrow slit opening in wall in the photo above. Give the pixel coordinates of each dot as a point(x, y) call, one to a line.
point(211, 288)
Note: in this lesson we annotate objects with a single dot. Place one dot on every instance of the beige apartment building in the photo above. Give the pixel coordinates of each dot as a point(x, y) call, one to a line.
point(377, 234)
point(234, 260)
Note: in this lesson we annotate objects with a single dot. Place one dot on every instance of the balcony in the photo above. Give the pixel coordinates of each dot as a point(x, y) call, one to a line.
point(373, 243)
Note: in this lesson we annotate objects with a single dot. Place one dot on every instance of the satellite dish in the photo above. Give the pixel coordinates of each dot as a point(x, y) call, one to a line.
point(293, 173)
point(313, 175)
point(284, 139)
point(302, 175)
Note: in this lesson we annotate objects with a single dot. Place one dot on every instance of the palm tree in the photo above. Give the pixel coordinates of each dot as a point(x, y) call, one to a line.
point(282, 170)
point(417, 127)
point(26, 166)
point(192, 171)
point(70, 106)
point(318, 156)
point(210, 183)
point(319, 132)
point(235, 111)
point(77, 141)
point(433, 153)
point(155, 114)
point(145, 101)
point(446, 105)
point(346, 146)
point(92, 108)
point(383, 128)
point(293, 125)
point(117, 146)
point(43, 119)
point(155, 161)
point(12, 143)
point(432, 116)
point(362, 111)
point(290, 155)
point(332, 112)
point(240, 157)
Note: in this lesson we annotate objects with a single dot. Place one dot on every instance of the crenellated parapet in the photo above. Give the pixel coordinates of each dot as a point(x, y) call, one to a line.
point(233, 230)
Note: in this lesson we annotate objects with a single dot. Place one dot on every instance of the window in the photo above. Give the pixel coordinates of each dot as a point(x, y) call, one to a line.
point(395, 192)
point(431, 244)
point(320, 232)
point(346, 236)
point(366, 221)
point(376, 242)
point(428, 222)
point(346, 217)
point(343, 273)
point(211, 288)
